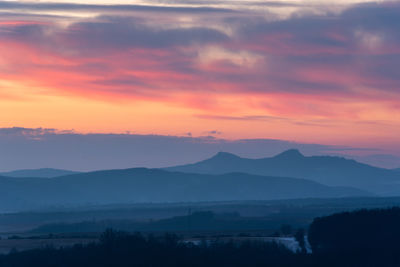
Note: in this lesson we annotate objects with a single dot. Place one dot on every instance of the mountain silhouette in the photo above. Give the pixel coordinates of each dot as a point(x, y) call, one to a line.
point(40, 173)
point(290, 154)
point(142, 185)
point(328, 170)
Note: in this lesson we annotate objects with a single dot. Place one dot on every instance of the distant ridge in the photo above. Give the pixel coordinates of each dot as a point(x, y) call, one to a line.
point(39, 173)
point(142, 185)
point(328, 170)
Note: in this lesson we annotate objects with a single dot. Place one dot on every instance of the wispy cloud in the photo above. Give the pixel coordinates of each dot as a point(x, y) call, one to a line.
point(31, 132)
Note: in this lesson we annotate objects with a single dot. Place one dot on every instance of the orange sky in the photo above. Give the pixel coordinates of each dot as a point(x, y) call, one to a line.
point(335, 83)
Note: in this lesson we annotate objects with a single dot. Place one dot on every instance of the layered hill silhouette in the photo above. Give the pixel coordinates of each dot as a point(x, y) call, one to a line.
point(141, 185)
point(40, 173)
point(328, 170)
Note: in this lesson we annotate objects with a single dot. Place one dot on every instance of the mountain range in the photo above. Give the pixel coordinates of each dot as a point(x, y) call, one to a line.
point(327, 170)
point(142, 185)
point(223, 177)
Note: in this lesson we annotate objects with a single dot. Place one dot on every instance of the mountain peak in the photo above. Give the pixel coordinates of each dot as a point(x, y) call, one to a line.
point(225, 155)
point(291, 153)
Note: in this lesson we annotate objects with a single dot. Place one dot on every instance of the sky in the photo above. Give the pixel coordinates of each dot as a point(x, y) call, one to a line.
point(309, 72)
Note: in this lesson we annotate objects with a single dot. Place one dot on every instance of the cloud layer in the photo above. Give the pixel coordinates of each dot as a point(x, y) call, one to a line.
point(305, 72)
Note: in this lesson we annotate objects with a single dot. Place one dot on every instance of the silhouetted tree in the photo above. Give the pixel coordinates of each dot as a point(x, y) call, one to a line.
point(299, 235)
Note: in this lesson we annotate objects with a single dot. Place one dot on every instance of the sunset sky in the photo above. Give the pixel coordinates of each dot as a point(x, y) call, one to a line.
point(325, 72)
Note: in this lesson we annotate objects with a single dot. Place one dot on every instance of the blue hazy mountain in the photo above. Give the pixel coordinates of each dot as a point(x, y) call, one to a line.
point(142, 185)
point(328, 170)
point(40, 173)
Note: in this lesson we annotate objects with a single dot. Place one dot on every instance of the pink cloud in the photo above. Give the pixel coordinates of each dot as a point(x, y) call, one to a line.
point(312, 66)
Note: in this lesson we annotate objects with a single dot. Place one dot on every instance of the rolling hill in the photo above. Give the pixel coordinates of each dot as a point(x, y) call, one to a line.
point(328, 170)
point(154, 186)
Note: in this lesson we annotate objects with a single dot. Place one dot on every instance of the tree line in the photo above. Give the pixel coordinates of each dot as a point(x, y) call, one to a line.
point(360, 238)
